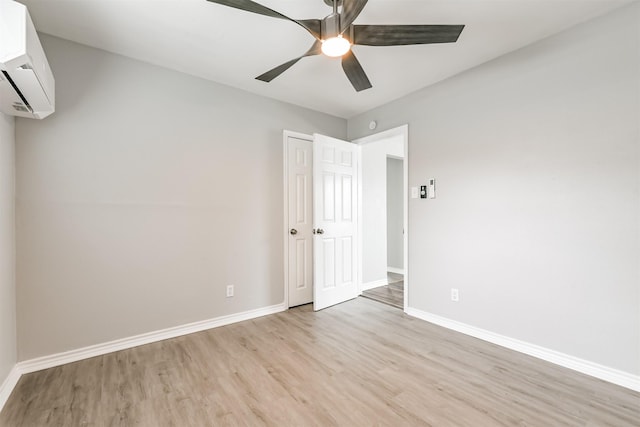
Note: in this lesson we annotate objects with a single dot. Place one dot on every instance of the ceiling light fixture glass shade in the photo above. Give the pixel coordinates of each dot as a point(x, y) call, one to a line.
point(335, 46)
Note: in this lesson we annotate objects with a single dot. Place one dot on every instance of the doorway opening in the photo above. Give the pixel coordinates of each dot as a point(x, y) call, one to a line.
point(384, 200)
point(391, 292)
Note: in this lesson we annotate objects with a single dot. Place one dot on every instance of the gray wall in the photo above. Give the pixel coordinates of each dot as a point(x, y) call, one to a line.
point(536, 221)
point(143, 197)
point(395, 213)
point(8, 341)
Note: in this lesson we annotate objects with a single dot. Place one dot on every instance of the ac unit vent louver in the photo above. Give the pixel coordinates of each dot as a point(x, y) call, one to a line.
point(21, 108)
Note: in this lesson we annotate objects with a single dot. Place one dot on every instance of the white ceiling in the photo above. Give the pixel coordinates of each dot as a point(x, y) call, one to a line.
point(230, 46)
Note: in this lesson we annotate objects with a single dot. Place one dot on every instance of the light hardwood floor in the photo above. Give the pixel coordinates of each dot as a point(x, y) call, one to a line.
point(391, 294)
point(361, 363)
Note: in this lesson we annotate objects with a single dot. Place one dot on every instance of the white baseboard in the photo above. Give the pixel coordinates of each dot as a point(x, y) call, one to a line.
point(58, 359)
point(602, 372)
point(374, 284)
point(395, 270)
point(8, 385)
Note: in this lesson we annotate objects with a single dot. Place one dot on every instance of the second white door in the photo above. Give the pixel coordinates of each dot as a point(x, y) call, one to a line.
point(335, 191)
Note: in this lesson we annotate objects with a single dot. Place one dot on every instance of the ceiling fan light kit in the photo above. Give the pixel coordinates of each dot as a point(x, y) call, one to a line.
point(335, 46)
point(335, 34)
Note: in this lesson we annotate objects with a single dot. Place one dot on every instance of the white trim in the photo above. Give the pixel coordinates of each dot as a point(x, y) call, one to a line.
point(402, 131)
point(389, 133)
point(361, 286)
point(58, 359)
point(602, 372)
point(374, 284)
point(395, 270)
point(405, 134)
point(9, 384)
point(286, 134)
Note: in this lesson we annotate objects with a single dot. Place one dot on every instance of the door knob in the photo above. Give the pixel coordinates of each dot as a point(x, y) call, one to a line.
point(293, 231)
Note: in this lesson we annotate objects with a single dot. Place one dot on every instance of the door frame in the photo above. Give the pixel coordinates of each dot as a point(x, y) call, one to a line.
point(403, 132)
point(285, 186)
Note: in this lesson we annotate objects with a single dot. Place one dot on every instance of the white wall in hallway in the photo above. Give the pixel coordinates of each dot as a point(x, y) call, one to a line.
point(374, 205)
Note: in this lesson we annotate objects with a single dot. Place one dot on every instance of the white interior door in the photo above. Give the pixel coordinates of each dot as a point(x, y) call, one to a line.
point(299, 154)
point(335, 190)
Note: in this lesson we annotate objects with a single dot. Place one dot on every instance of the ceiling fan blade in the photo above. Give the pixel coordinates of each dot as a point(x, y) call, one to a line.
point(354, 72)
point(250, 6)
point(350, 11)
point(396, 35)
point(315, 49)
point(311, 25)
point(275, 72)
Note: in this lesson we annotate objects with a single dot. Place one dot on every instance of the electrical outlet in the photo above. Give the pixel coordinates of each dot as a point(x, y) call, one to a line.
point(229, 291)
point(455, 295)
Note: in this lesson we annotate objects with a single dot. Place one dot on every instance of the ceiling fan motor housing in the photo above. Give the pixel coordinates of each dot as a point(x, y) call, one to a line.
point(330, 2)
point(330, 26)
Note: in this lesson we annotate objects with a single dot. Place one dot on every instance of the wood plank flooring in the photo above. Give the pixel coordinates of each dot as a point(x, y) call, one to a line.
point(360, 363)
point(392, 294)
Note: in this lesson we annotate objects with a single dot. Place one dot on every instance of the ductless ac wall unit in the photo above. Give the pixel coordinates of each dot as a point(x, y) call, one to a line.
point(27, 87)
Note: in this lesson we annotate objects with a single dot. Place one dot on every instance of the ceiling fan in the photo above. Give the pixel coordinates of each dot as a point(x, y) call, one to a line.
point(336, 33)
